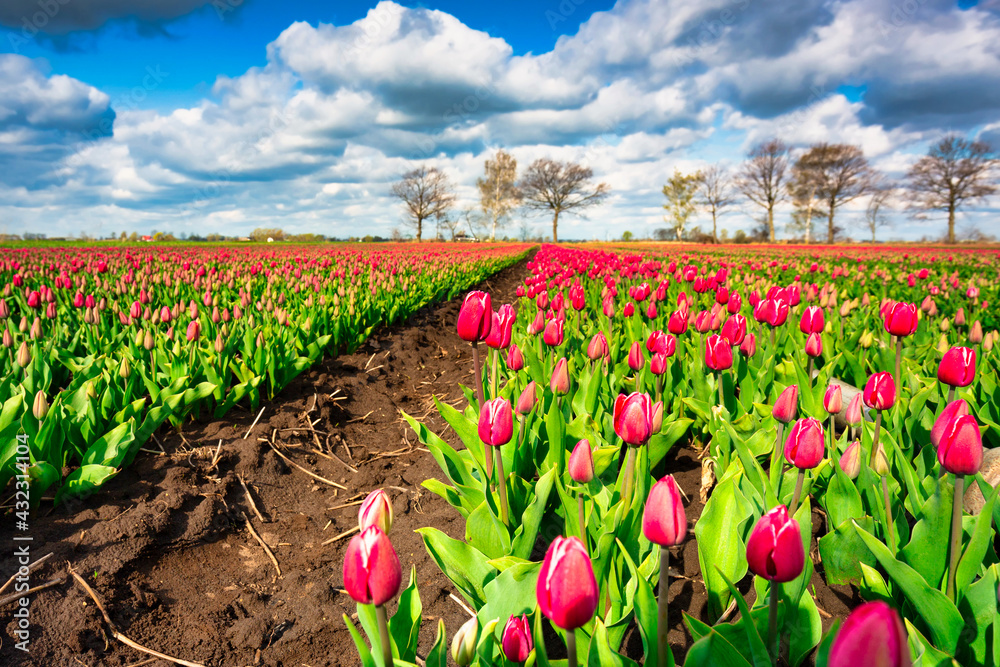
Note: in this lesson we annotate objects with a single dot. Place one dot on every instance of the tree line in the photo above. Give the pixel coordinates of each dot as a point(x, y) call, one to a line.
point(954, 173)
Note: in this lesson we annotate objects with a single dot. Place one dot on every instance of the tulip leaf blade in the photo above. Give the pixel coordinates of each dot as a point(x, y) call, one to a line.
point(927, 655)
point(601, 653)
point(978, 605)
point(758, 650)
point(527, 529)
point(927, 550)
point(645, 607)
point(438, 655)
point(661, 443)
point(84, 481)
point(843, 552)
point(359, 643)
point(462, 563)
point(720, 542)
point(975, 552)
point(512, 593)
point(714, 650)
point(938, 612)
point(404, 626)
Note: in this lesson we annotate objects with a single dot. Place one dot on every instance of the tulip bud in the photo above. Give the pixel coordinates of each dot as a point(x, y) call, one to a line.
point(496, 422)
point(516, 642)
point(960, 317)
point(748, 347)
point(139, 337)
point(854, 415)
point(900, 319)
point(658, 364)
point(560, 378)
point(850, 460)
point(866, 340)
point(881, 461)
point(663, 519)
point(944, 325)
point(8, 339)
point(124, 369)
point(23, 356)
point(581, 463)
point(718, 353)
point(804, 445)
point(958, 441)
point(515, 360)
point(833, 400)
point(40, 408)
point(598, 348)
point(787, 405)
point(220, 344)
point(774, 548)
point(372, 573)
point(566, 590)
point(814, 345)
point(475, 319)
point(553, 333)
point(812, 320)
point(880, 391)
point(873, 634)
point(976, 332)
point(376, 510)
point(958, 367)
point(463, 644)
point(526, 401)
point(148, 341)
point(636, 360)
point(193, 331)
point(633, 418)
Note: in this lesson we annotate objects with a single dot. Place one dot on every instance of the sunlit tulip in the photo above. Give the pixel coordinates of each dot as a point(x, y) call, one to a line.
point(598, 347)
point(516, 642)
point(581, 463)
point(663, 519)
point(463, 644)
point(814, 345)
point(515, 360)
point(496, 422)
point(633, 418)
point(833, 401)
point(873, 634)
point(787, 405)
point(774, 548)
point(804, 447)
point(475, 318)
point(880, 391)
point(567, 590)
point(376, 510)
point(559, 384)
point(372, 573)
point(718, 353)
point(958, 367)
point(636, 360)
point(850, 460)
point(900, 319)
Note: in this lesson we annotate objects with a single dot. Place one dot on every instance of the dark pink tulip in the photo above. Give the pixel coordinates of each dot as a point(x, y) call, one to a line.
point(658, 363)
point(718, 353)
point(526, 401)
point(774, 548)
point(833, 399)
point(663, 519)
point(78, 300)
point(193, 331)
point(516, 642)
point(628, 310)
point(598, 348)
point(952, 411)
point(880, 391)
point(34, 299)
point(958, 441)
point(748, 347)
point(812, 320)
point(636, 360)
point(853, 415)
point(735, 329)
point(515, 360)
point(873, 634)
point(581, 463)
point(135, 311)
point(787, 405)
point(567, 591)
point(657, 416)
point(633, 418)
point(734, 304)
point(804, 446)
point(814, 345)
point(372, 574)
point(958, 367)
point(559, 384)
point(475, 319)
point(678, 323)
point(553, 335)
point(496, 422)
point(900, 319)
point(538, 324)
point(376, 510)
point(657, 342)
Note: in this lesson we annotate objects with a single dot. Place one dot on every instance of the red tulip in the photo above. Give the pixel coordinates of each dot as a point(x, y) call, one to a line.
point(735, 303)
point(657, 342)
point(900, 319)
point(814, 345)
point(880, 391)
point(372, 574)
point(804, 446)
point(559, 383)
point(958, 441)
point(663, 519)
point(874, 635)
point(376, 510)
point(787, 405)
point(853, 415)
point(475, 319)
point(774, 548)
point(636, 360)
point(566, 590)
point(658, 364)
point(812, 320)
point(678, 323)
point(515, 360)
point(735, 329)
point(516, 642)
point(526, 401)
point(633, 418)
point(34, 299)
point(553, 335)
point(958, 367)
point(628, 310)
point(748, 347)
point(502, 327)
point(598, 348)
point(581, 463)
point(718, 353)
point(496, 422)
point(833, 400)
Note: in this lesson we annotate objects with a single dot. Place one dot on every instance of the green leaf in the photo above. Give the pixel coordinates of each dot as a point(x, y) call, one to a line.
point(84, 481)
point(645, 607)
point(529, 522)
point(806, 629)
point(363, 651)
point(927, 550)
point(670, 433)
point(758, 649)
point(404, 626)
point(720, 542)
point(937, 611)
point(463, 564)
point(714, 650)
point(842, 500)
point(512, 593)
point(438, 655)
point(602, 655)
point(843, 552)
point(823, 653)
point(112, 447)
point(982, 537)
point(926, 654)
point(555, 428)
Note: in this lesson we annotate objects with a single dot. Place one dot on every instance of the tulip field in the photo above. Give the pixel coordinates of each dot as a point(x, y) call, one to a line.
point(840, 406)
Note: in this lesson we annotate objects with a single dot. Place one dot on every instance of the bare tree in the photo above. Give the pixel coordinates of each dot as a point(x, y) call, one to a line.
point(560, 187)
point(881, 198)
point(426, 193)
point(841, 173)
point(804, 188)
point(761, 179)
point(680, 191)
point(716, 194)
point(498, 193)
point(953, 172)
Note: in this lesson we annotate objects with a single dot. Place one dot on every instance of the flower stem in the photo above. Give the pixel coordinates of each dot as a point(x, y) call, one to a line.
point(798, 492)
point(496, 370)
point(480, 398)
point(956, 533)
point(663, 647)
point(888, 514)
point(629, 474)
point(775, 468)
point(722, 397)
point(571, 648)
point(502, 483)
point(583, 523)
point(772, 622)
point(383, 635)
point(899, 356)
point(878, 428)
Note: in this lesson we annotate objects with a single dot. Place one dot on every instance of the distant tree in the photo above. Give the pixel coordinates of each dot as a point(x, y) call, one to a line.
point(955, 171)
point(761, 178)
point(560, 187)
point(880, 199)
point(661, 234)
point(262, 234)
point(680, 191)
point(498, 192)
point(627, 236)
point(715, 193)
point(804, 189)
point(426, 193)
point(841, 174)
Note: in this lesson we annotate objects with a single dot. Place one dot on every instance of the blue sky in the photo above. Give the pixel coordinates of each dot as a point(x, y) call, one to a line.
point(225, 115)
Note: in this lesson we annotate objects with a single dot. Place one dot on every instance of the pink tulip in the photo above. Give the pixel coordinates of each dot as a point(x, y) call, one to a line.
point(376, 510)
point(581, 463)
point(372, 573)
point(598, 348)
point(515, 360)
point(804, 446)
point(566, 590)
point(774, 548)
point(958, 441)
point(559, 384)
point(636, 360)
point(633, 418)
point(958, 367)
point(718, 353)
point(833, 401)
point(496, 422)
point(873, 634)
point(475, 319)
point(553, 335)
point(814, 345)
point(516, 642)
point(663, 519)
point(880, 391)
point(526, 401)
point(850, 460)
point(812, 320)
point(900, 319)
point(787, 405)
